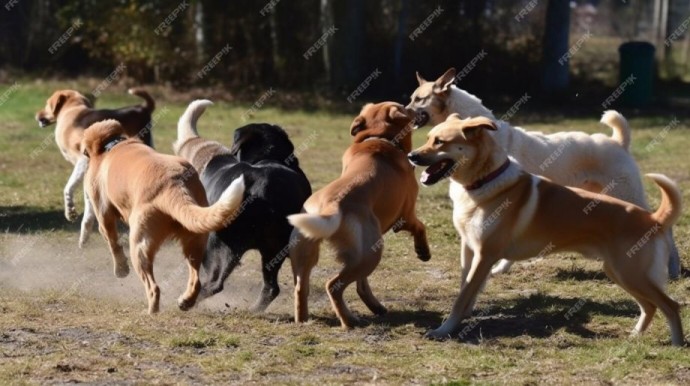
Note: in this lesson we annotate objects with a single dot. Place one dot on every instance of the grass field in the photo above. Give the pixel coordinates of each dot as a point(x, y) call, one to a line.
point(65, 318)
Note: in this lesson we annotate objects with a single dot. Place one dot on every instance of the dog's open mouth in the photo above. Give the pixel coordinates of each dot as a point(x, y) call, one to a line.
point(420, 119)
point(437, 171)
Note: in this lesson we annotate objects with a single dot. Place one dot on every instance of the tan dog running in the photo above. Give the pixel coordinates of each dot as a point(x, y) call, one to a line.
point(376, 192)
point(596, 162)
point(159, 196)
point(503, 212)
point(72, 113)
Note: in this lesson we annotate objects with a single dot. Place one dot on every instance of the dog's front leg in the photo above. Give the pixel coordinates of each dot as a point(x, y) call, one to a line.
point(76, 178)
point(481, 266)
point(418, 231)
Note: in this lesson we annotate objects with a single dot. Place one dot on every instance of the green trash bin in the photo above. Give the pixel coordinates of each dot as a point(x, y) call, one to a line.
point(636, 73)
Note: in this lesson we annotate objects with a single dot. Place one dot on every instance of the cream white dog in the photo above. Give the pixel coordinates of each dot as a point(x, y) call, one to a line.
point(503, 212)
point(597, 163)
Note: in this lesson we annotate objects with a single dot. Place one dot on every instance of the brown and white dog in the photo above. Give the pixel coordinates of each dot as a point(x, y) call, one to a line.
point(503, 212)
point(159, 196)
point(376, 192)
point(72, 113)
point(596, 162)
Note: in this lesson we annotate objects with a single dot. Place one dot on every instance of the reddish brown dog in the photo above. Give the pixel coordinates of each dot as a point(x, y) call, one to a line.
point(376, 191)
point(160, 196)
point(72, 113)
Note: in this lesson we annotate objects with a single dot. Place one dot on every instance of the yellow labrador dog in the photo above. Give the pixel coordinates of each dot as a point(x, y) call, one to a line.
point(503, 212)
point(596, 162)
point(72, 113)
point(160, 196)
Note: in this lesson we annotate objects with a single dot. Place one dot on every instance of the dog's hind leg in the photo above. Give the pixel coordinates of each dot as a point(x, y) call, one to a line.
point(193, 249)
point(364, 292)
point(75, 179)
point(647, 292)
point(304, 254)
point(647, 308)
point(87, 222)
point(143, 248)
point(107, 226)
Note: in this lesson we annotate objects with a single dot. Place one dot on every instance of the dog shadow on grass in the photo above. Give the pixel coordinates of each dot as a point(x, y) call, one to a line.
point(541, 316)
point(30, 219)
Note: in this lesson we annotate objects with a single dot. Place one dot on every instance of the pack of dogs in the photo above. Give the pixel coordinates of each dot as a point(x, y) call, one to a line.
point(516, 195)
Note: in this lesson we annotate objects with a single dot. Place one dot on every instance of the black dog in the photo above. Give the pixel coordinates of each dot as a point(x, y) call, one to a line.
point(275, 188)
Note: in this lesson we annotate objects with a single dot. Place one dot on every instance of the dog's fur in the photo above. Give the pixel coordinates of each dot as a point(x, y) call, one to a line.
point(275, 188)
point(72, 113)
point(596, 162)
point(517, 215)
point(160, 197)
point(376, 191)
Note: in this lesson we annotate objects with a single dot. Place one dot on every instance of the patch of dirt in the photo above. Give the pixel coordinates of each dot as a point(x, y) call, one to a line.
point(35, 262)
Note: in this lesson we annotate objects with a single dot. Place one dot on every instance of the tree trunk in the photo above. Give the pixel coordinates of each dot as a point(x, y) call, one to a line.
point(555, 76)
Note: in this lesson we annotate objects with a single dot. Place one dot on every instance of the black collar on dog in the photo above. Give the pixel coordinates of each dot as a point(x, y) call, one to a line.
point(111, 144)
point(489, 177)
point(394, 143)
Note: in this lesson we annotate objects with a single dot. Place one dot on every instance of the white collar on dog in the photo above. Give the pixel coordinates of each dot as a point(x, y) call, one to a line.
point(396, 144)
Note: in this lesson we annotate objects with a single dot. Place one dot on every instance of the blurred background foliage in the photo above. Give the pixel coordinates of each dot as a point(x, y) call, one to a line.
point(269, 38)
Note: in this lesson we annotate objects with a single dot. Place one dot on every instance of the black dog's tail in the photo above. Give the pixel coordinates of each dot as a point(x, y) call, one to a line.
point(149, 103)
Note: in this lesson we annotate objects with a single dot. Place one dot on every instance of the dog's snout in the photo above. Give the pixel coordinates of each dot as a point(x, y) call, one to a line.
point(413, 156)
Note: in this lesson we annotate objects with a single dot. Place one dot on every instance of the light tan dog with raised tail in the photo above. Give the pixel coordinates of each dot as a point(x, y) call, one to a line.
point(503, 212)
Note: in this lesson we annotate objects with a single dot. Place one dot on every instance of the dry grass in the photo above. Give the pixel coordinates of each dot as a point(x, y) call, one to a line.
point(64, 317)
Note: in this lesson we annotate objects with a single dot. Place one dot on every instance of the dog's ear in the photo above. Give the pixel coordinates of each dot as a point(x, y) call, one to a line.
point(443, 83)
point(357, 125)
point(454, 117)
point(419, 78)
point(59, 101)
point(241, 137)
point(475, 126)
point(398, 113)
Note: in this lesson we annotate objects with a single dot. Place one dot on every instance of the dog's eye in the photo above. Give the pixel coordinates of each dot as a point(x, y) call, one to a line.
point(438, 141)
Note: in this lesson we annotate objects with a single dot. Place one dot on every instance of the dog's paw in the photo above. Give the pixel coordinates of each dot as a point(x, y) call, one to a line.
point(71, 213)
point(423, 253)
point(121, 270)
point(381, 310)
point(438, 335)
point(83, 238)
point(185, 304)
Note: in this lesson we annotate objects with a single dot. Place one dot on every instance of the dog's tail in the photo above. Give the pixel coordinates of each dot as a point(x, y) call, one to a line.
point(198, 219)
point(186, 126)
point(671, 201)
point(619, 125)
point(149, 103)
point(316, 226)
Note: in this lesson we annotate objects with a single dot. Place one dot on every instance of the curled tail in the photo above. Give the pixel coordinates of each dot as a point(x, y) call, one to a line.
point(198, 219)
point(316, 226)
point(619, 125)
point(671, 201)
point(149, 104)
point(186, 126)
